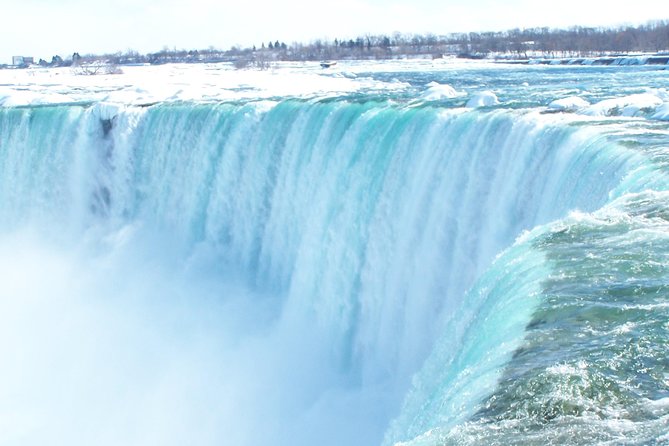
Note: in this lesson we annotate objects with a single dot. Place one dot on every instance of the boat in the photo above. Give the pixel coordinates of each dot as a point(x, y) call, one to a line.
point(328, 64)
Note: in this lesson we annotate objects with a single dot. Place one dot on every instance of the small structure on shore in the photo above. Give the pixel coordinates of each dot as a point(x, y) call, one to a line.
point(22, 61)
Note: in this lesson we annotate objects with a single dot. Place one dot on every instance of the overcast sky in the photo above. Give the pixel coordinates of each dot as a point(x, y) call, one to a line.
point(42, 28)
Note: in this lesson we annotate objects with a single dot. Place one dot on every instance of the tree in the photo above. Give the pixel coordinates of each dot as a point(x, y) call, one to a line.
point(385, 42)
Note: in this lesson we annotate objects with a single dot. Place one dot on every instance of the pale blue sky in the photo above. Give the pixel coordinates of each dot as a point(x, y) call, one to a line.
point(42, 28)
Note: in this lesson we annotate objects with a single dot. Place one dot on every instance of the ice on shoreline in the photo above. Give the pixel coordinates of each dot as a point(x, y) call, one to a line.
point(145, 85)
point(17, 98)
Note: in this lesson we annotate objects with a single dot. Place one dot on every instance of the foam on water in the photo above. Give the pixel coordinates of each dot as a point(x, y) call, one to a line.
point(590, 367)
point(330, 269)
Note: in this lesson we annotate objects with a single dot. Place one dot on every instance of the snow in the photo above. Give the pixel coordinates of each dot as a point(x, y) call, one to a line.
point(662, 112)
point(14, 97)
point(630, 106)
point(141, 85)
point(661, 93)
point(147, 85)
point(437, 91)
point(107, 110)
point(482, 99)
point(570, 104)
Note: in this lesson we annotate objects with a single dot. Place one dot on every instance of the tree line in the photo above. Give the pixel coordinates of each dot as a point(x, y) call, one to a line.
point(517, 43)
point(520, 43)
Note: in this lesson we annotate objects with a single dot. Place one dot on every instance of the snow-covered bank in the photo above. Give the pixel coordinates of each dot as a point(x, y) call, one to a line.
point(142, 85)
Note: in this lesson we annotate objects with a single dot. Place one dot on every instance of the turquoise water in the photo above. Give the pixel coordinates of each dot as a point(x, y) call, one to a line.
point(520, 86)
point(363, 269)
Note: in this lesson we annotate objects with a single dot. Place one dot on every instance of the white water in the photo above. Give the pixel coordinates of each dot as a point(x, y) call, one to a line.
point(257, 274)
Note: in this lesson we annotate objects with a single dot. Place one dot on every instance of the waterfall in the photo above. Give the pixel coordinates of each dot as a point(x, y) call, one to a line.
point(305, 259)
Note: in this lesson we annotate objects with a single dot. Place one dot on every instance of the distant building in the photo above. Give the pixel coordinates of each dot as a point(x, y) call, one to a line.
point(22, 61)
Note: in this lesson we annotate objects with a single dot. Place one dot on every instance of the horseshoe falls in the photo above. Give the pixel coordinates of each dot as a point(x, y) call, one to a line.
point(399, 253)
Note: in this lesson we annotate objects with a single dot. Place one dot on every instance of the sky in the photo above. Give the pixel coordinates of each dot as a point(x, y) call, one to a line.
point(43, 28)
